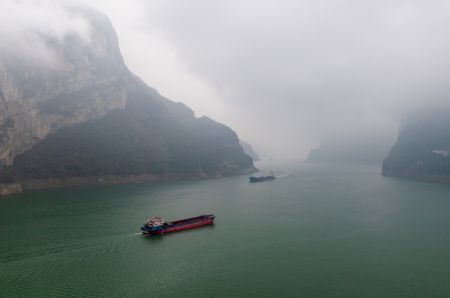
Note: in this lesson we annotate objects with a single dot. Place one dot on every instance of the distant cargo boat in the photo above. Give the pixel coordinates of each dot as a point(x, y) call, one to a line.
point(262, 178)
point(157, 225)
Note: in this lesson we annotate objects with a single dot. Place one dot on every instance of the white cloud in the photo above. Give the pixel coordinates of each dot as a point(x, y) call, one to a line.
point(26, 24)
point(282, 73)
point(296, 71)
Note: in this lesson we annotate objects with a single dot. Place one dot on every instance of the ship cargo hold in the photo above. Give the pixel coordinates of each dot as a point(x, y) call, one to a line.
point(157, 225)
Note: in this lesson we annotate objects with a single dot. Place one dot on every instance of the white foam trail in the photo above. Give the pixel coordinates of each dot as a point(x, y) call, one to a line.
point(282, 175)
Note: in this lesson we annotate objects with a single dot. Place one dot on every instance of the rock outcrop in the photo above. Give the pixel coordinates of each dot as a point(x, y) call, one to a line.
point(422, 151)
point(82, 80)
point(248, 149)
point(86, 117)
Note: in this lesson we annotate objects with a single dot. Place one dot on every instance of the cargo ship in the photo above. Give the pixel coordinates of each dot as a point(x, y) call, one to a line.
point(157, 225)
point(262, 178)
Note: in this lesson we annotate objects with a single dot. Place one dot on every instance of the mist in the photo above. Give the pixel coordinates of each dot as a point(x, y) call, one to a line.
point(283, 74)
point(27, 26)
point(173, 148)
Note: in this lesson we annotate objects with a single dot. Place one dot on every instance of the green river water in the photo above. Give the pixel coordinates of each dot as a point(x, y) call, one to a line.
point(316, 231)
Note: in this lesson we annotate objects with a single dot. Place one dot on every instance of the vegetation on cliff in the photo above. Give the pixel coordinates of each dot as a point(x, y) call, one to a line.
point(99, 119)
point(422, 150)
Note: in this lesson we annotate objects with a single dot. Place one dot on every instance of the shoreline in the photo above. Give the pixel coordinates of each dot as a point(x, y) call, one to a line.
point(443, 180)
point(7, 189)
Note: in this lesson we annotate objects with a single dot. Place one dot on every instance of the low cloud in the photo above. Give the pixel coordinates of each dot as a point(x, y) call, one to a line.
point(284, 74)
point(26, 26)
point(298, 71)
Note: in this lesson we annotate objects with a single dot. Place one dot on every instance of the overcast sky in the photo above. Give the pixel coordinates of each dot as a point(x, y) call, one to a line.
point(285, 74)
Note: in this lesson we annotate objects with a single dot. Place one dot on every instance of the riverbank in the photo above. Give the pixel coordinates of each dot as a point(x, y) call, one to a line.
point(7, 189)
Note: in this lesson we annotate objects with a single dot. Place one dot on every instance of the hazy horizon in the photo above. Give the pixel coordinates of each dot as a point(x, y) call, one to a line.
point(283, 74)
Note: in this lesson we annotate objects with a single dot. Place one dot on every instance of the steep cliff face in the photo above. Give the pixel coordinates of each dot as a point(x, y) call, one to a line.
point(248, 149)
point(86, 116)
point(422, 150)
point(82, 80)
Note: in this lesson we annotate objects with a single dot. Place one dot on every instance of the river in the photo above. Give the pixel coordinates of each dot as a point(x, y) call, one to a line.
point(316, 231)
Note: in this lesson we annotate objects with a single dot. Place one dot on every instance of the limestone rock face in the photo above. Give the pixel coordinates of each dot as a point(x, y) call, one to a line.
point(79, 116)
point(81, 80)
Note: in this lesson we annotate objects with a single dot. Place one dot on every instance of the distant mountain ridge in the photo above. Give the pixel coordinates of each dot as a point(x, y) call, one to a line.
point(422, 150)
point(89, 120)
point(248, 149)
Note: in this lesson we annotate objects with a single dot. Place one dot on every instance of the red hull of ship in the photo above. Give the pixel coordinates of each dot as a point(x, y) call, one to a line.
point(184, 227)
point(184, 224)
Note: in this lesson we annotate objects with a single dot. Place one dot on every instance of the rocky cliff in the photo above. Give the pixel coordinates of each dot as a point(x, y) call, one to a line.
point(248, 149)
point(82, 80)
point(422, 150)
point(82, 116)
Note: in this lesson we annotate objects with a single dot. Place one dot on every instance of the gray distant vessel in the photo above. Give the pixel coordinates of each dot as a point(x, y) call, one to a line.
point(262, 178)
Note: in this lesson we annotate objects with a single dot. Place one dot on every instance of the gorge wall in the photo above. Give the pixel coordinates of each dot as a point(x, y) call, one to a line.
point(82, 116)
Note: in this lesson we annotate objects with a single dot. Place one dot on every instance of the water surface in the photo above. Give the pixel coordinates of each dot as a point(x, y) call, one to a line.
point(317, 231)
